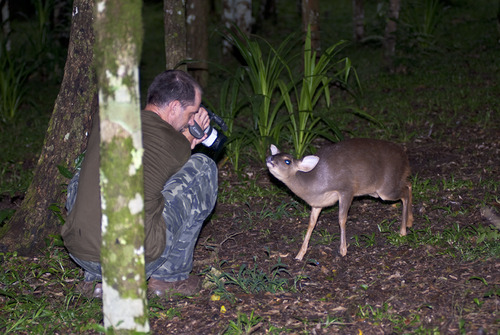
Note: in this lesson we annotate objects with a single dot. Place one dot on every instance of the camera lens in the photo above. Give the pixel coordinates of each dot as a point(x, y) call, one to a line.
point(219, 142)
point(211, 136)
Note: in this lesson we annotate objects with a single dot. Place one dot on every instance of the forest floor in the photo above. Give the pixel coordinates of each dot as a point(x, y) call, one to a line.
point(378, 287)
point(442, 278)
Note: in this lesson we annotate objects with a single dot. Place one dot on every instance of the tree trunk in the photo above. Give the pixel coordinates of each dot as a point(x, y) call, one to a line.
point(239, 13)
point(66, 138)
point(6, 23)
point(358, 15)
point(175, 33)
point(390, 34)
point(118, 29)
point(267, 11)
point(197, 39)
point(310, 17)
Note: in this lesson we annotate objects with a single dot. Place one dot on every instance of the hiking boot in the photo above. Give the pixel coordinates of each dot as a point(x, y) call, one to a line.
point(187, 287)
point(90, 289)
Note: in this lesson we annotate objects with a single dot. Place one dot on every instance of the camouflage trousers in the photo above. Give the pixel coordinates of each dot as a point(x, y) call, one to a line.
point(190, 197)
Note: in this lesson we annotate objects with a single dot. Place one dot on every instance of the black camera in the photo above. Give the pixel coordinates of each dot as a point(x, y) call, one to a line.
point(214, 140)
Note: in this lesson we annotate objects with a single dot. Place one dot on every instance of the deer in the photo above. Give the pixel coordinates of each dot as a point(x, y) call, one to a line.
point(344, 170)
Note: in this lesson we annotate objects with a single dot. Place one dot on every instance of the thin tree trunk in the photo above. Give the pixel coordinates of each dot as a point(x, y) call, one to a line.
point(243, 15)
point(227, 20)
point(65, 139)
point(197, 39)
point(118, 28)
point(6, 23)
point(358, 19)
point(310, 17)
point(175, 33)
point(239, 13)
point(390, 34)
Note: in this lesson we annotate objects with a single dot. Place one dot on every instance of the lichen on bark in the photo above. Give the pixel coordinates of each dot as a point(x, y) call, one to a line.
point(118, 42)
point(124, 233)
point(175, 33)
point(76, 102)
point(118, 45)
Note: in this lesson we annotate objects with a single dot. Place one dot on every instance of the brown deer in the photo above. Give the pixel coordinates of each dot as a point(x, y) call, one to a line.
point(342, 171)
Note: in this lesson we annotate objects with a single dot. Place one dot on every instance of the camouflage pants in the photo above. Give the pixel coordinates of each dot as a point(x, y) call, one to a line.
point(190, 196)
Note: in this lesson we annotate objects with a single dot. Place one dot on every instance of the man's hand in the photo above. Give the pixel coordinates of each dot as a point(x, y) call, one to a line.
point(203, 120)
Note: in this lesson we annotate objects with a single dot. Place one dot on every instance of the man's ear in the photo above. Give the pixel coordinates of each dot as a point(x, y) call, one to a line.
point(175, 107)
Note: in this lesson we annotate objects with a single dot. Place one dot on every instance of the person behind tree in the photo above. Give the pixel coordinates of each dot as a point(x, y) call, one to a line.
point(180, 191)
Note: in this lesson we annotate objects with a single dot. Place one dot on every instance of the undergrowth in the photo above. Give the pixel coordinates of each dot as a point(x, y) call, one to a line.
point(37, 295)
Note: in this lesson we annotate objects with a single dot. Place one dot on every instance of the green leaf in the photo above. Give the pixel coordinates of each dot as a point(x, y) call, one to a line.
point(56, 210)
point(479, 278)
point(65, 172)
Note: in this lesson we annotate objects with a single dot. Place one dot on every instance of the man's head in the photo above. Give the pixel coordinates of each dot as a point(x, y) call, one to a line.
point(176, 97)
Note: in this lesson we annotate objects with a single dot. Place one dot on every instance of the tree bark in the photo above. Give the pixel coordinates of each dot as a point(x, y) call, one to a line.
point(239, 13)
point(66, 138)
point(118, 29)
point(6, 23)
point(197, 39)
point(310, 17)
point(267, 11)
point(390, 34)
point(175, 33)
point(358, 19)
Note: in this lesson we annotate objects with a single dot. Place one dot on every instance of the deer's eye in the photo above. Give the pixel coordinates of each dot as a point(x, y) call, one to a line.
point(287, 161)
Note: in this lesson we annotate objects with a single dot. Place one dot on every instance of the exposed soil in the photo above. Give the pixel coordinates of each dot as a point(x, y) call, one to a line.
point(421, 287)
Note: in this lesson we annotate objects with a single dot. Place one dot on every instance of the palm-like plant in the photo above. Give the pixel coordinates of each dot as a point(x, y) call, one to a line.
point(264, 75)
point(318, 74)
point(13, 75)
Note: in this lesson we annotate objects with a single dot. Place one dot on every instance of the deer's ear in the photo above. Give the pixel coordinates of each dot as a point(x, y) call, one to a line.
point(274, 150)
point(307, 163)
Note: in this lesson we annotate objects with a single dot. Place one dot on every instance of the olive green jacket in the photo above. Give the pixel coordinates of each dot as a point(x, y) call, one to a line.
point(165, 152)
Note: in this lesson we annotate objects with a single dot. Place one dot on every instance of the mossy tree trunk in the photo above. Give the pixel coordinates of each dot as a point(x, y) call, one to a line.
point(175, 33)
point(66, 138)
point(118, 29)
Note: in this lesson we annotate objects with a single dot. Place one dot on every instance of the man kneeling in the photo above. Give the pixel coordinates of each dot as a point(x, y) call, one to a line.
point(180, 191)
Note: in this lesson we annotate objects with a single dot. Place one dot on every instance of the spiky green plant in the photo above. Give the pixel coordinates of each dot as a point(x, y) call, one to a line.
point(13, 75)
point(421, 19)
point(304, 125)
point(264, 75)
point(244, 324)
